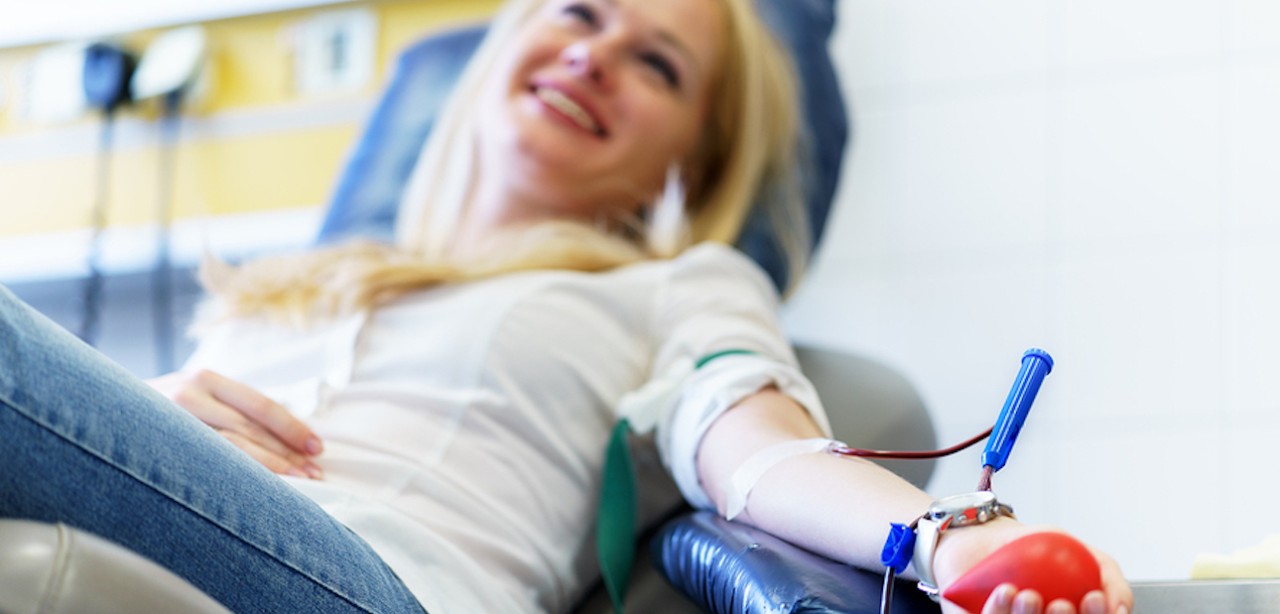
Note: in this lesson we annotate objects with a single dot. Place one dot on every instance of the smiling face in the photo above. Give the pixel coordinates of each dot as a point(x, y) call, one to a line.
point(590, 103)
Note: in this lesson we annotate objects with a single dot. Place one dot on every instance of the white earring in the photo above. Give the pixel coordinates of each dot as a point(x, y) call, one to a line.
point(668, 225)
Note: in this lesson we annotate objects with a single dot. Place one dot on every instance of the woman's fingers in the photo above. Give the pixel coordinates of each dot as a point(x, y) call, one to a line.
point(1028, 602)
point(197, 398)
point(1060, 606)
point(262, 411)
point(247, 418)
point(1094, 603)
point(1119, 595)
point(270, 459)
point(1007, 599)
point(1000, 601)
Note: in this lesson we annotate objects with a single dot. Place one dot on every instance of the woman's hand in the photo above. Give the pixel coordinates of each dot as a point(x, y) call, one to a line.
point(960, 549)
point(259, 426)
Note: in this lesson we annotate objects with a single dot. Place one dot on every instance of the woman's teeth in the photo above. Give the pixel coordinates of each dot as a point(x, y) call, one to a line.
point(565, 105)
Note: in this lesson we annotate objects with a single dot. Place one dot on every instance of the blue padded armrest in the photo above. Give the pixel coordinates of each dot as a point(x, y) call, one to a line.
point(368, 191)
point(730, 568)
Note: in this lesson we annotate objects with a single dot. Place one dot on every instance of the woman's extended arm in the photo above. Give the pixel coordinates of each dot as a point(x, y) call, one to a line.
point(842, 507)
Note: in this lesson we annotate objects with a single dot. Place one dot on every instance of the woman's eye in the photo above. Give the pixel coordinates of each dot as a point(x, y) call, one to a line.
point(582, 12)
point(663, 67)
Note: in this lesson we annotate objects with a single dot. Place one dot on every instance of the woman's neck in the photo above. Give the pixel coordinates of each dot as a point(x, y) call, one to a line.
point(496, 208)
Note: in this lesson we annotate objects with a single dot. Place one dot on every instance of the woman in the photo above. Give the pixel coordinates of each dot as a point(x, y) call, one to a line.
point(438, 410)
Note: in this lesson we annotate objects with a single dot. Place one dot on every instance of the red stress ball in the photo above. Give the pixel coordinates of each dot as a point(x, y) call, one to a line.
point(1053, 564)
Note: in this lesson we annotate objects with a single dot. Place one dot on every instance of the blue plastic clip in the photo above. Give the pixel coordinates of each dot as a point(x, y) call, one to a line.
point(1036, 364)
point(898, 547)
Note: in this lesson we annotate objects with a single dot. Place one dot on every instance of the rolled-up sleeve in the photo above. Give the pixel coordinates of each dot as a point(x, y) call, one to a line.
point(715, 299)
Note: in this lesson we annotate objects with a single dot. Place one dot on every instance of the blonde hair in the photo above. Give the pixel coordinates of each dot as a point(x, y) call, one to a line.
point(748, 148)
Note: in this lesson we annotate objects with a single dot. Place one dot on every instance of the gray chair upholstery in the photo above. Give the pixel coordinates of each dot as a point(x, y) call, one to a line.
point(55, 569)
point(872, 405)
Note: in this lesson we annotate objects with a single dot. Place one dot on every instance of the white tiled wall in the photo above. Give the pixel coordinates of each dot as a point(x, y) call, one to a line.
point(1100, 178)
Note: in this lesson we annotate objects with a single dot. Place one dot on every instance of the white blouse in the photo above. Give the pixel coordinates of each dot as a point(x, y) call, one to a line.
point(465, 425)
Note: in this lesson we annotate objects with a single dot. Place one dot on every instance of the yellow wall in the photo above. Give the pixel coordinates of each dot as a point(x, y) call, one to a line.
point(48, 172)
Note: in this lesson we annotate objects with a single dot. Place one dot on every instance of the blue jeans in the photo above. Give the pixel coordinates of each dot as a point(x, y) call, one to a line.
point(85, 443)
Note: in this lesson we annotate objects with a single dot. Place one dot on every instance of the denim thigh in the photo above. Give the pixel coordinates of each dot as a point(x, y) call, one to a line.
point(84, 442)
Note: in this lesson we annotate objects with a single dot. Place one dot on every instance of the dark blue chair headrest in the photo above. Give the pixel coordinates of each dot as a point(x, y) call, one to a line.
point(367, 195)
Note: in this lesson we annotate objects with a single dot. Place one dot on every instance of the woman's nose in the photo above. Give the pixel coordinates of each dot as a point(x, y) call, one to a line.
point(591, 59)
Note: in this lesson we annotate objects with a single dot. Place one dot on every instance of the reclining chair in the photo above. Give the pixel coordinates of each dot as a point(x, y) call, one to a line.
point(695, 560)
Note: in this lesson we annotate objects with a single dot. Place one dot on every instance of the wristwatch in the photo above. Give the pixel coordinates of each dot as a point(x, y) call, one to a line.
point(948, 512)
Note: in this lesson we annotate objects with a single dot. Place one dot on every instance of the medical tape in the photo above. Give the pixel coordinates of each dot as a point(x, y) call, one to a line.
point(750, 471)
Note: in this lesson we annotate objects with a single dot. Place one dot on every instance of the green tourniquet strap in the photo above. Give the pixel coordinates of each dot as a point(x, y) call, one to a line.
point(616, 520)
point(615, 527)
point(721, 354)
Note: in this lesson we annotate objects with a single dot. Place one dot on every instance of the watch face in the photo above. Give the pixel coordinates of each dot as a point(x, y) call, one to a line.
point(965, 507)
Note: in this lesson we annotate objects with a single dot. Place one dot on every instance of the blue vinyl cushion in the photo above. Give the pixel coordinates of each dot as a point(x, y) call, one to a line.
point(731, 568)
point(368, 192)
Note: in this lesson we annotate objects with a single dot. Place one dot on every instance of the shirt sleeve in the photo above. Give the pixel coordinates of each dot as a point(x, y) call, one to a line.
point(716, 299)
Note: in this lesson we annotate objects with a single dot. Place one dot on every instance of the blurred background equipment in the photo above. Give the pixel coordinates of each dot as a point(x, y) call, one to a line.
point(105, 81)
point(170, 69)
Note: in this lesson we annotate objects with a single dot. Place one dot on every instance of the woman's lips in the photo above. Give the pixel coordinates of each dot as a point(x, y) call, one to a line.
point(569, 108)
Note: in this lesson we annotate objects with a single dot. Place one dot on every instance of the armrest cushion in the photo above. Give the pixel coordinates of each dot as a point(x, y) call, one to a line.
point(727, 567)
